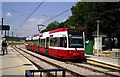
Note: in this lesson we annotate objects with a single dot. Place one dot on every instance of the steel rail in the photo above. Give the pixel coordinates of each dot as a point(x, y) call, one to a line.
point(69, 71)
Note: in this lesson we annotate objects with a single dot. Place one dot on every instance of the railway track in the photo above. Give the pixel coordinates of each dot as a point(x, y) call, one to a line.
point(98, 68)
point(40, 63)
point(74, 69)
point(101, 64)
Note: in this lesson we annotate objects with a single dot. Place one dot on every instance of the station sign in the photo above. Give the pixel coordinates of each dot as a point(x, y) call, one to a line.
point(4, 27)
point(98, 43)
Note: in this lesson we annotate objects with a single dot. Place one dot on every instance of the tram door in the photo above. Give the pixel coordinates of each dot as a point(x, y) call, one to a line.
point(39, 45)
point(47, 45)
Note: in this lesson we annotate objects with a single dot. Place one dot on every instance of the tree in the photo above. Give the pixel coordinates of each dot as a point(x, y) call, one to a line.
point(51, 26)
point(107, 12)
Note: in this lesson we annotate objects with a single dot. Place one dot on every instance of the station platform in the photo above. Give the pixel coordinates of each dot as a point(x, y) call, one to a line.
point(14, 64)
point(106, 60)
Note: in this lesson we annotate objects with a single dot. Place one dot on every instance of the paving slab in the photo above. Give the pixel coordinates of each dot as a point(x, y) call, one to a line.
point(14, 64)
point(107, 60)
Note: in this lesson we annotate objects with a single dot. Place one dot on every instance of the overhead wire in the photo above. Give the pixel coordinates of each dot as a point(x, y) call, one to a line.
point(30, 15)
point(54, 17)
point(43, 22)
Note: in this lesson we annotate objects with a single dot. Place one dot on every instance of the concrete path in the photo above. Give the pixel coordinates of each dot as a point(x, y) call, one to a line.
point(14, 64)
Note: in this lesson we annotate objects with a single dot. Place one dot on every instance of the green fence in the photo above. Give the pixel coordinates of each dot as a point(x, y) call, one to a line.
point(89, 48)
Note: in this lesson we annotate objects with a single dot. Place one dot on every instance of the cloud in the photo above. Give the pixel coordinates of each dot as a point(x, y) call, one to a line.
point(32, 20)
point(31, 26)
point(8, 14)
point(41, 21)
point(36, 21)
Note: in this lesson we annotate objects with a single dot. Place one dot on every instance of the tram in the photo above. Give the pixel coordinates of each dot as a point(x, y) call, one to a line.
point(62, 43)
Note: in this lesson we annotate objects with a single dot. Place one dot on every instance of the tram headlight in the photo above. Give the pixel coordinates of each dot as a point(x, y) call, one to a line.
point(69, 52)
point(82, 52)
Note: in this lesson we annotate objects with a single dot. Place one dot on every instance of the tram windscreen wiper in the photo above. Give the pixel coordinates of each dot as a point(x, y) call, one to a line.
point(76, 49)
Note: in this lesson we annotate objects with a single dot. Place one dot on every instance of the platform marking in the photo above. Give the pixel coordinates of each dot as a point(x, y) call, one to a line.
point(30, 62)
point(27, 60)
point(103, 62)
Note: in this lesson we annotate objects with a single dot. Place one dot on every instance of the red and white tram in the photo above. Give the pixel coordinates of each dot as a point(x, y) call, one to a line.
point(63, 43)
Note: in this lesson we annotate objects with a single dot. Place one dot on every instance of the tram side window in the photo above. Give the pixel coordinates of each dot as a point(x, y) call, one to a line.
point(39, 44)
point(42, 42)
point(31, 42)
point(28, 42)
point(58, 42)
point(35, 42)
point(47, 42)
point(51, 41)
point(55, 42)
point(63, 41)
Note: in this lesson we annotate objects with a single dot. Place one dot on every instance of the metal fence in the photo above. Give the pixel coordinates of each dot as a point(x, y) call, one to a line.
point(31, 73)
point(115, 53)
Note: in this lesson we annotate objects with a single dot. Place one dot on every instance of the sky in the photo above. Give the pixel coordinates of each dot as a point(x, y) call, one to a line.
point(15, 13)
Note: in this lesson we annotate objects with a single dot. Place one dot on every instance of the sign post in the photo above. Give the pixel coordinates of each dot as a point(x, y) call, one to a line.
point(98, 45)
point(4, 27)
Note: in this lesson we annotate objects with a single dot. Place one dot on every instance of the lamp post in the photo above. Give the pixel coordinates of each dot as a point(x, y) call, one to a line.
point(2, 26)
point(86, 27)
point(39, 28)
point(98, 21)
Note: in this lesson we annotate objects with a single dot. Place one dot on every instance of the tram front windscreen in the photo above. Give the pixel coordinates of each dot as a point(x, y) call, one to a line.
point(75, 38)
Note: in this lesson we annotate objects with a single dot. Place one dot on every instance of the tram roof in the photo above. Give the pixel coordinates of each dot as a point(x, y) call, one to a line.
point(53, 31)
point(62, 29)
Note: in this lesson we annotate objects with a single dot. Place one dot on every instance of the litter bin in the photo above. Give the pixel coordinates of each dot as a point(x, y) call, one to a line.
point(89, 48)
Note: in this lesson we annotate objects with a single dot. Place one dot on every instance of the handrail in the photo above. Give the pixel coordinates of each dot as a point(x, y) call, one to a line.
point(28, 73)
